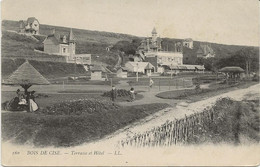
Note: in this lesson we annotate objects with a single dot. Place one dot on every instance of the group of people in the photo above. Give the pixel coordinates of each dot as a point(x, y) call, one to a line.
point(132, 92)
point(114, 94)
point(25, 101)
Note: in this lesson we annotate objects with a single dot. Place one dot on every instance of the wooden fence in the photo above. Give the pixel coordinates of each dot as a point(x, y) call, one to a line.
point(171, 133)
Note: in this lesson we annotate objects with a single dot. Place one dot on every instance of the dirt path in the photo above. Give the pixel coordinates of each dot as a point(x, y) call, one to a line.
point(177, 112)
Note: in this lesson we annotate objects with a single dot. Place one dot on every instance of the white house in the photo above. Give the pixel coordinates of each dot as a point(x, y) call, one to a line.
point(122, 72)
point(167, 58)
point(142, 67)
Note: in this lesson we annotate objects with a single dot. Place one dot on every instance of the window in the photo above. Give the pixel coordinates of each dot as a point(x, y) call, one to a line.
point(64, 50)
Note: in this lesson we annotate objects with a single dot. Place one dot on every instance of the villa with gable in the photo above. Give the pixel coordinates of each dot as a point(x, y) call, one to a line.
point(65, 45)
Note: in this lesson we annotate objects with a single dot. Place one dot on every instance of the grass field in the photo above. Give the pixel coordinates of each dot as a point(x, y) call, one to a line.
point(70, 130)
point(196, 95)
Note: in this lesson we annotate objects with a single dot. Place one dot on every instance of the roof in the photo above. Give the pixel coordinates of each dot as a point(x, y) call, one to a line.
point(58, 38)
point(26, 74)
point(96, 68)
point(31, 20)
point(186, 67)
point(188, 40)
point(145, 65)
point(53, 39)
point(154, 31)
point(232, 69)
point(71, 36)
point(123, 68)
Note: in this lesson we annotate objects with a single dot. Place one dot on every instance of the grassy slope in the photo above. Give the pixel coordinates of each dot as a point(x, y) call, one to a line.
point(92, 42)
point(69, 130)
point(237, 122)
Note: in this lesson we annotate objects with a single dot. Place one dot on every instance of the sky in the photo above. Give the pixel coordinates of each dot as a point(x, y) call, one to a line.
point(220, 21)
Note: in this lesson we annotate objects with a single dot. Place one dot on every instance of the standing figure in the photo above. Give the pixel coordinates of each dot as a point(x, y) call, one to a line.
point(151, 83)
point(132, 94)
point(113, 93)
point(32, 105)
point(19, 94)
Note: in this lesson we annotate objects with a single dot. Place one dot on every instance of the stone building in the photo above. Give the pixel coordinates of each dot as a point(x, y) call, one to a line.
point(65, 45)
point(29, 26)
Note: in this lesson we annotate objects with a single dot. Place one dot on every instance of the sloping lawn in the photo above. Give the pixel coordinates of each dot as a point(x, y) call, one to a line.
point(54, 127)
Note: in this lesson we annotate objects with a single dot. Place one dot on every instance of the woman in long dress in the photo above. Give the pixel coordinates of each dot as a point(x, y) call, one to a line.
point(32, 104)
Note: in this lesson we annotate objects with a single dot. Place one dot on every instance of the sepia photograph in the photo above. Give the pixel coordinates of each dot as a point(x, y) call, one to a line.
point(130, 83)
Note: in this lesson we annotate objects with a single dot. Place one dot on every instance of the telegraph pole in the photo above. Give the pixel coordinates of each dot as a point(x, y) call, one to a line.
point(137, 73)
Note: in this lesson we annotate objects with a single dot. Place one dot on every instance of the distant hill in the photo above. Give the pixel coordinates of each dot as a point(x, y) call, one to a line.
point(95, 43)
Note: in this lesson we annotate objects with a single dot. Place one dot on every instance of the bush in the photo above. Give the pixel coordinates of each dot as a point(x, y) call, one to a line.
point(120, 93)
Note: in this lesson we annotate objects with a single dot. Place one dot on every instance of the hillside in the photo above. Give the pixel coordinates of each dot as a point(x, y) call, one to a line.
point(95, 43)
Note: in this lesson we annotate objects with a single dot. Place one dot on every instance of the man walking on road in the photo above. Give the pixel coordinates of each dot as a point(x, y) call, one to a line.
point(151, 83)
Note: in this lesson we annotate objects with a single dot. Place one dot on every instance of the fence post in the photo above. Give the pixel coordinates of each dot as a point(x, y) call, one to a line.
point(159, 84)
point(111, 81)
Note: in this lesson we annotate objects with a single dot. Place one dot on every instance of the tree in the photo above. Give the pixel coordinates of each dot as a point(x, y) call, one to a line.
point(246, 58)
point(247, 55)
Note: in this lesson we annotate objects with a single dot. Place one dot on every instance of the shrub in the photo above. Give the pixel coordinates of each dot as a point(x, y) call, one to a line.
point(120, 93)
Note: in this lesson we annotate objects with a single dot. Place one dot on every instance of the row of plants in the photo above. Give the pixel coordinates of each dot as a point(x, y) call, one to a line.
point(120, 93)
point(79, 107)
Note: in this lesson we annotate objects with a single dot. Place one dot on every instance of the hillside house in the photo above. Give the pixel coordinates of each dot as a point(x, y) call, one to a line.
point(29, 26)
point(142, 67)
point(188, 43)
point(122, 72)
point(60, 44)
point(150, 50)
point(205, 51)
point(65, 45)
point(165, 58)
